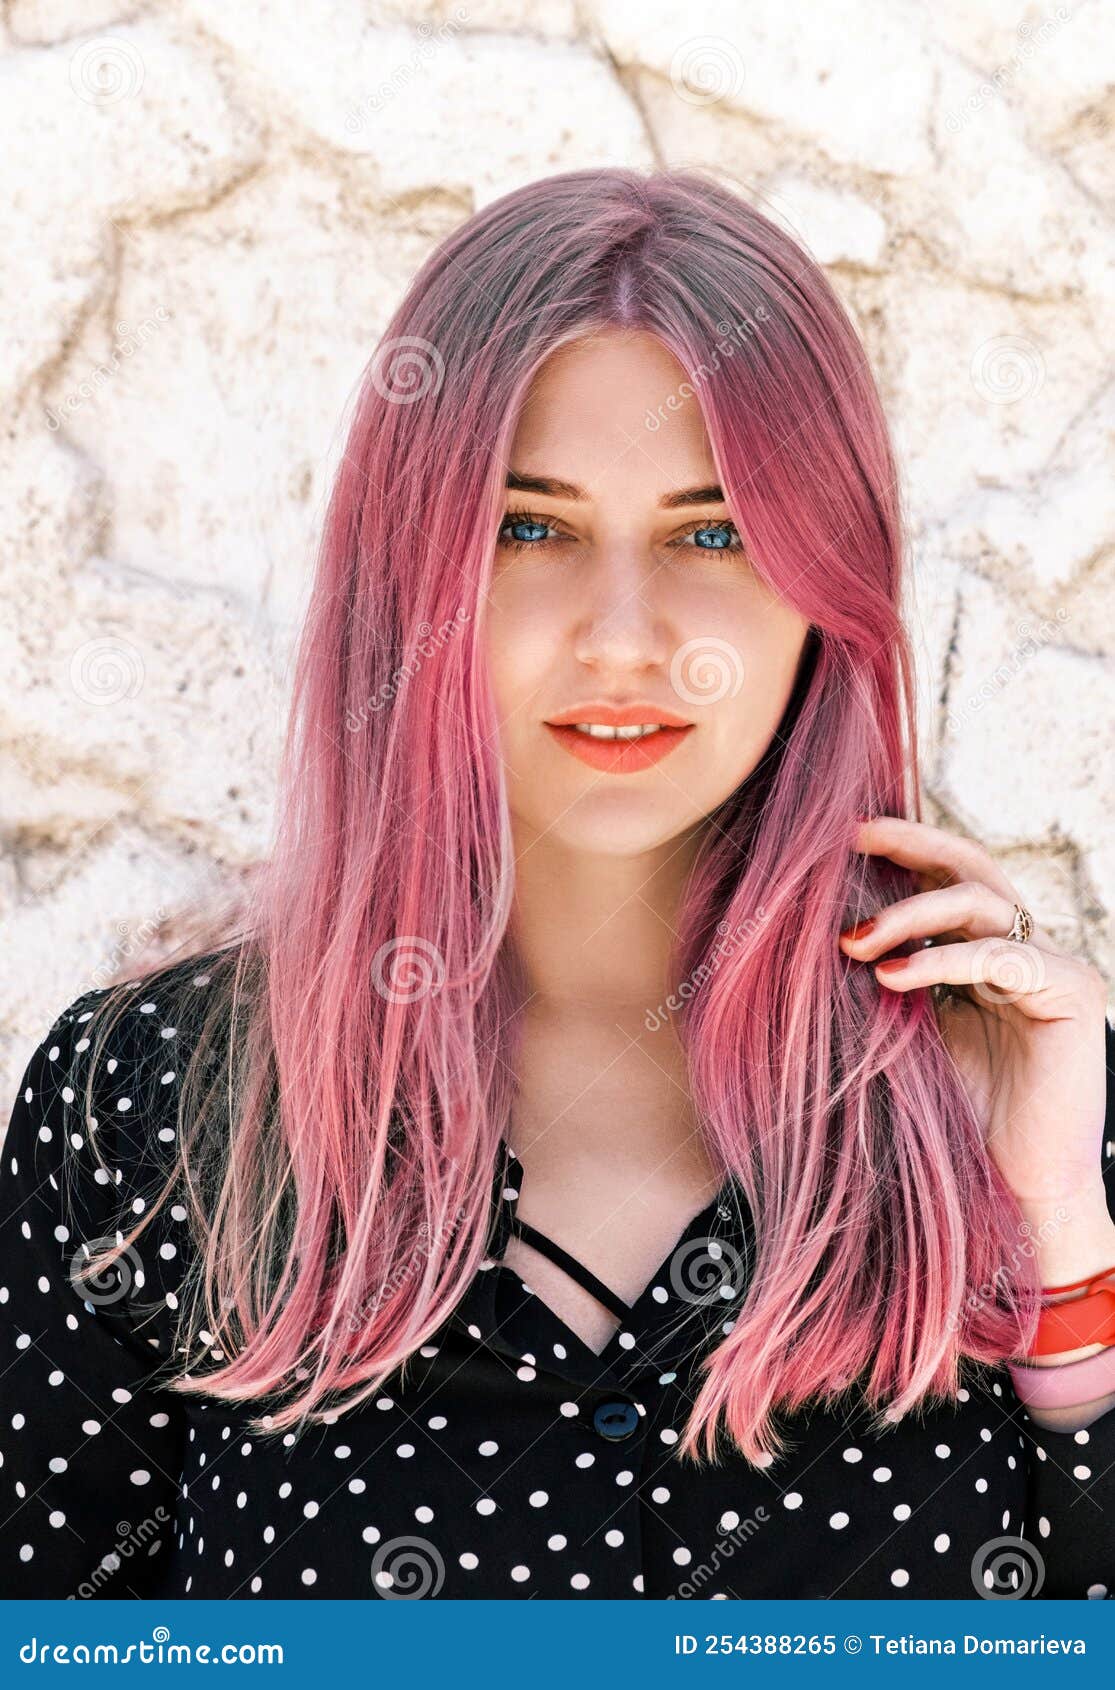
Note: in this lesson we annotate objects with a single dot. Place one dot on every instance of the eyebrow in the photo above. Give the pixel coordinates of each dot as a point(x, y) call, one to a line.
point(711, 494)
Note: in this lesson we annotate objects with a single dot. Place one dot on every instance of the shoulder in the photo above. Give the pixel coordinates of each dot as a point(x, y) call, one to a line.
point(96, 1108)
point(94, 1134)
point(124, 1044)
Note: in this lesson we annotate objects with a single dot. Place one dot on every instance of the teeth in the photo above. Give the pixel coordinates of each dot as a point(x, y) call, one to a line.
point(597, 730)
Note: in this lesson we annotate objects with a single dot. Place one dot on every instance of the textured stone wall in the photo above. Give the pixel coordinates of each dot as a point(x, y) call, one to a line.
point(210, 207)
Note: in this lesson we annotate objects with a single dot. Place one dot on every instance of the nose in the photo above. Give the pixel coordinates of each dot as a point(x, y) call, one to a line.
point(621, 625)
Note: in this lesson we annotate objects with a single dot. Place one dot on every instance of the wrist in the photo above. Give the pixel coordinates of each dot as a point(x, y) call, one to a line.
point(1073, 1239)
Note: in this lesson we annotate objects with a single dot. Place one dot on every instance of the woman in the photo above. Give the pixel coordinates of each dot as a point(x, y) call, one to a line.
point(547, 1188)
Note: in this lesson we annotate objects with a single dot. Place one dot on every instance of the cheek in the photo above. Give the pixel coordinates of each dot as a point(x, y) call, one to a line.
point(743, 675)
point(525, 630)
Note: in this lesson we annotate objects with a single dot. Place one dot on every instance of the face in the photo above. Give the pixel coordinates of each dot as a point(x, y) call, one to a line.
point(621, 592)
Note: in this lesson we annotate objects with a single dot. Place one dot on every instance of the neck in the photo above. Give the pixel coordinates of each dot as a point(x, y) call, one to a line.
point(594, 931)
point(600, 1095)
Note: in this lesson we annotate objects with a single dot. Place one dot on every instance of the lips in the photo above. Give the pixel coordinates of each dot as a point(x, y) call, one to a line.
point(619, 756)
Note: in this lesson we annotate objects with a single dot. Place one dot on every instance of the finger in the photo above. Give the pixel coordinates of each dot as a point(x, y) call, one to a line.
point(970, 909)
point(998, 972)
point(932, 850)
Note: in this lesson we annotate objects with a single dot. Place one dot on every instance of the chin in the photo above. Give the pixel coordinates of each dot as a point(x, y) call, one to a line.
point(612, 824)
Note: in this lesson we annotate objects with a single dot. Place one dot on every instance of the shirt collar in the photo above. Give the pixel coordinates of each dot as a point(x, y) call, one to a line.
point(680, 1314)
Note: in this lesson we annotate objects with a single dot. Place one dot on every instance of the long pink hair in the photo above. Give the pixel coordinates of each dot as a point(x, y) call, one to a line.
point(340, 1148)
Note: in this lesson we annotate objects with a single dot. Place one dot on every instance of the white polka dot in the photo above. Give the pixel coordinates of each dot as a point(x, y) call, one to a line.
point(900, 1576)
point(838, 1521)
point(941, 1542)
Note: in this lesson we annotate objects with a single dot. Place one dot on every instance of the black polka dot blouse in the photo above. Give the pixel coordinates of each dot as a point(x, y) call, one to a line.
point(512, 1462)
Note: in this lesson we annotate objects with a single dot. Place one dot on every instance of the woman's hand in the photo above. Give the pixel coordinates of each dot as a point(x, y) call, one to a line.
point(1026, 1028)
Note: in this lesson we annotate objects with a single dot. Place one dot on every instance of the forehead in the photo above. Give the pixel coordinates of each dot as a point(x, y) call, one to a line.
point(613, 412)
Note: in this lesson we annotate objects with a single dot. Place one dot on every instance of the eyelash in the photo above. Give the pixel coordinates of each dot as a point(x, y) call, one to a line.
point(511, 517)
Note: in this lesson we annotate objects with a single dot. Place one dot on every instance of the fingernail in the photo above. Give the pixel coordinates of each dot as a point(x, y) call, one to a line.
point(860, 928)
point(892, 964)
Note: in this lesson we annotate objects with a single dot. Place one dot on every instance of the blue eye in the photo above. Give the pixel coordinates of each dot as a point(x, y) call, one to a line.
point(709, 536)
point(524, 519)
point(719, 534)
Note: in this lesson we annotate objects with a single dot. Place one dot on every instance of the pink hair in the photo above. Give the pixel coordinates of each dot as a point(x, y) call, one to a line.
point(370, 1004)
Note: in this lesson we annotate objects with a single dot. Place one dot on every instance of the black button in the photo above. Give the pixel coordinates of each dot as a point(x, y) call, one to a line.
point(615, 1420)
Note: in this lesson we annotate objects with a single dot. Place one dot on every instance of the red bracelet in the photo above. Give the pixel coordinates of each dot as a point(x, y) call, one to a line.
point(1085, 1320)
point(1052, 1290)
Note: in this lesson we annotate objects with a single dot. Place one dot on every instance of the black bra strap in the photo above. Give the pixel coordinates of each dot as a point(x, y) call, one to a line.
point(572, 1266)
